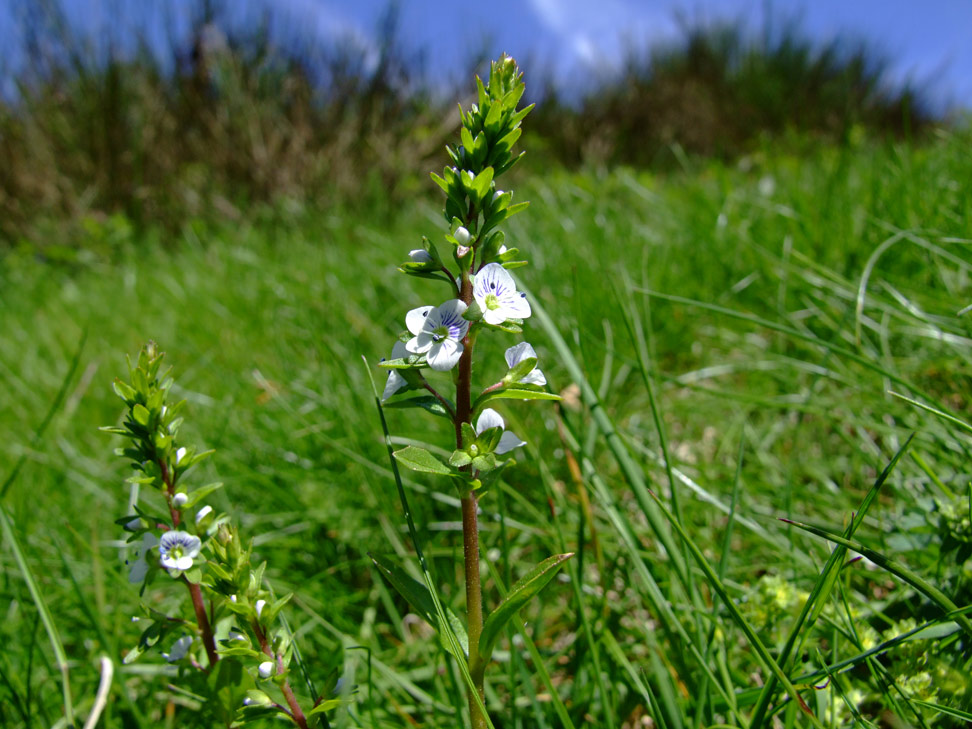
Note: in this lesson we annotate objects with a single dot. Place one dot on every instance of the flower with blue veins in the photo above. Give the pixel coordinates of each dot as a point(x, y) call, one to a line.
point(439, 332)
point(495, 292)
point(178, 549)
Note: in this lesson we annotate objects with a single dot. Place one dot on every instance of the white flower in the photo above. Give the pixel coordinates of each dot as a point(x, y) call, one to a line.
point(180, 454)
point(395, 381)
point(420, 255)
point(203, 513)
point(489, 418)
point(139, 567)
point(519, 352)
point(179, 499)
point(438, 333)
point(496, 294)
point(178, 549)
point(259, 606)
point(179, 649)
point(266, 669)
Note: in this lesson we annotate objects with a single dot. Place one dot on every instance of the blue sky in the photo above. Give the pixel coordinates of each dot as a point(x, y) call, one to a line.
point(928, 42)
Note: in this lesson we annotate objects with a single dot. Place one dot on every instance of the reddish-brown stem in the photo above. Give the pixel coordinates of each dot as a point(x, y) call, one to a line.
point(295, 713)
point(202, 620)
point(470, 525)
point(198, 605)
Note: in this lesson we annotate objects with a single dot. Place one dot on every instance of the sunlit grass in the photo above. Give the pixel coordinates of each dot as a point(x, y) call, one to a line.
point(771, 305)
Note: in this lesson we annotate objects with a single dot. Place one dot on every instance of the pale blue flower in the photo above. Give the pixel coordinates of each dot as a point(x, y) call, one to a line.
point(489, 418)
point(519, 352)
point(495, 292)
point(179, 649)
point(438, 333)
point(177, 550)
point(139, 567)
point(265, 669)
point(395, 381)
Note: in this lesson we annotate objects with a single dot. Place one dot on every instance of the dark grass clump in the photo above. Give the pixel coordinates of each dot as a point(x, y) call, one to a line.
point(719, 88)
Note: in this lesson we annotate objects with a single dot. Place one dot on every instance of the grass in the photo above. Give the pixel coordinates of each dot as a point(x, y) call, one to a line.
point(747, 320)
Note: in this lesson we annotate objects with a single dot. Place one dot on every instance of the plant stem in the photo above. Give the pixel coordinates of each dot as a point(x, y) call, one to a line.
point(202, 620)
point(445, 403)
point(198, 605)
point(470, 525)
point(295, 713)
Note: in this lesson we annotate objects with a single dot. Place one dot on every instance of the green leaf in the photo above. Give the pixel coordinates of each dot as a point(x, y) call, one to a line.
point(468, 435)
point(458, 459)
point(484, 464)
point(426, 402)
point(229, 683)
point(403, 363)
point(473, 312)
point(418, 596)
point(123, 390)
point(483, 180)
point(519, 595)
point(201, 493)
point(325, 706)
point(141, 414)
point(522, 369)
point(513, 393)
point(419, 459)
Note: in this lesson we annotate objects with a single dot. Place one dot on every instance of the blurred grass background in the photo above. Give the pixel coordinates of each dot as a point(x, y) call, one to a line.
point(251, 224)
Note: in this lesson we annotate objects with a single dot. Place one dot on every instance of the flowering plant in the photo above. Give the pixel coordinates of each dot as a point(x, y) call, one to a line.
point(442, 339)
point(235, 649)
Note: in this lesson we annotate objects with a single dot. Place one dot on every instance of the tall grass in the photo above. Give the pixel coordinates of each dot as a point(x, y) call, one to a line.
point(232, 124)
point(763, 312)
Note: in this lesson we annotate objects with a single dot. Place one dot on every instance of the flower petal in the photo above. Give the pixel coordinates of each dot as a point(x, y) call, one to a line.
point(534, 377)
point(420, 343)
point(508, 441)
point(395, 383)
point(515, 306)
point(420, 255)
point(415, 319)
point(492, 279)
point(489, 418)
point(445, 355)
point(519, 352)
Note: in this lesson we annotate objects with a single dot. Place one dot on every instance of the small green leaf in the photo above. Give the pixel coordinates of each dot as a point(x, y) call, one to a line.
point(403, 363)
point(520, 594)
point(419, 459)
point(513, 393)
point(522, 369)
point(141, 414)
point(201, 493)
point(458, 459)
point(473, 312)
point(418, 596)
point(123, 390)
point(426, 402)
point(468, 435)
point(484, 464)
point(324, 706)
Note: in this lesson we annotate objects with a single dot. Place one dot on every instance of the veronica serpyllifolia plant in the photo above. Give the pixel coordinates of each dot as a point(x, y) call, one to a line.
point(234, 649)
point(482, 298)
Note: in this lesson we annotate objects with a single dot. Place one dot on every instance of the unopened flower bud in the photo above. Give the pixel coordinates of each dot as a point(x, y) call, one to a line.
point(180, 454)
point(259, 606)
point(420, 255)
point(179, 499)
point(203, 513)
point(462, 237)
point(266, 669)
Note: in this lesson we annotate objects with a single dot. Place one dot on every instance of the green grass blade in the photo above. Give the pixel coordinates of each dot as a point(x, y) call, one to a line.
point(45, 614)
point(450, 636)
point(632, 472)
point(894, 567)
point(823, 585)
